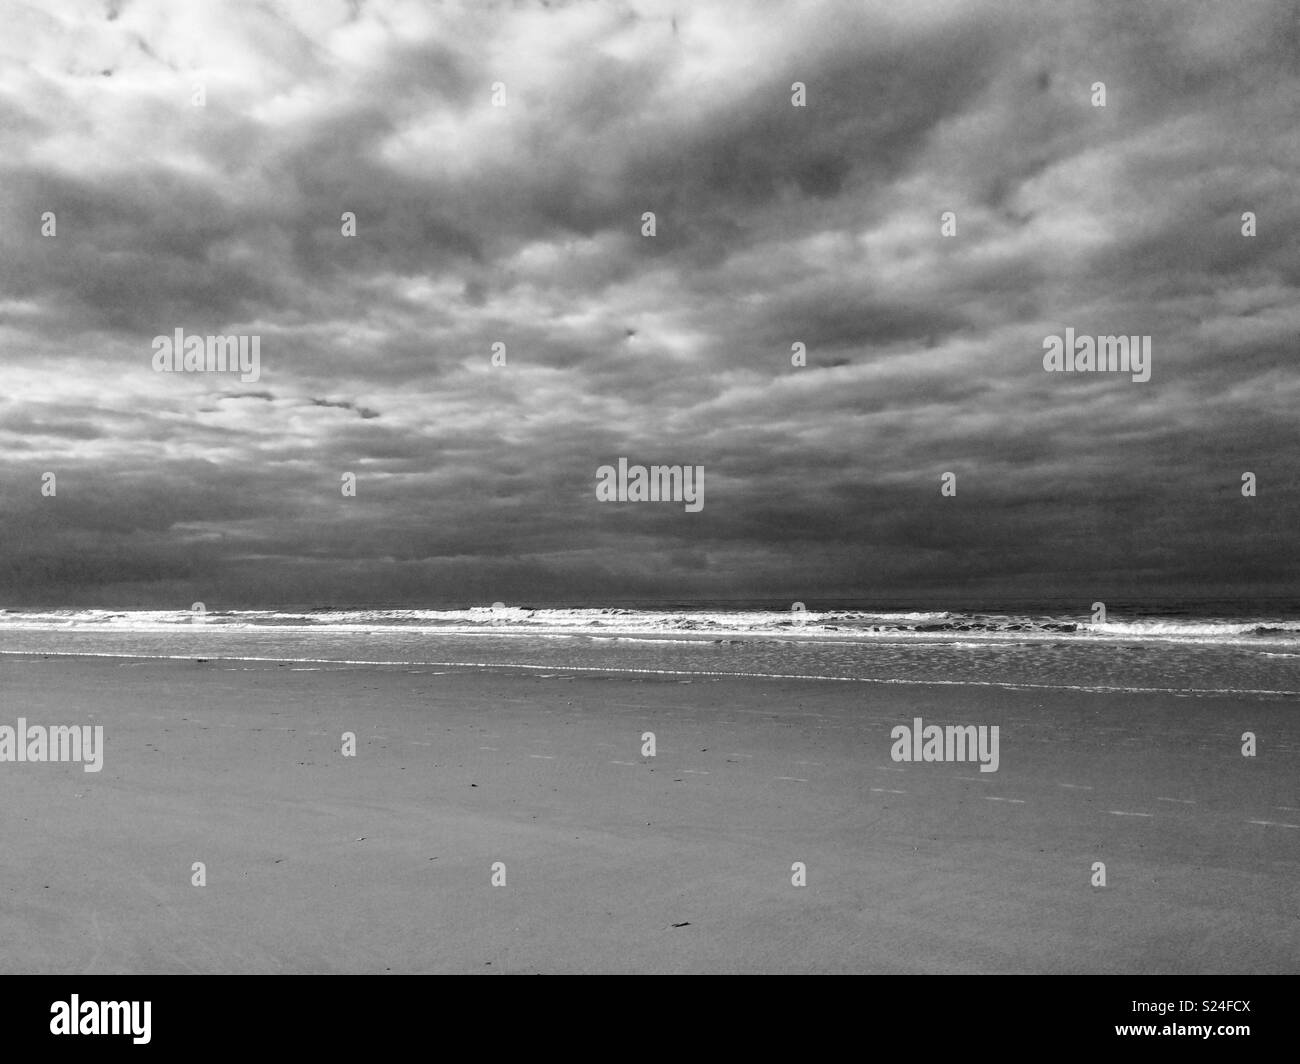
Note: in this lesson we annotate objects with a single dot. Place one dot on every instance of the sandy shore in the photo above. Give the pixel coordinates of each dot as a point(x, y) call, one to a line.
point(382, 862)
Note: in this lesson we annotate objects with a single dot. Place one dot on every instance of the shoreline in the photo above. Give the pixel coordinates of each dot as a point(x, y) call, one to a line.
point(627, 670)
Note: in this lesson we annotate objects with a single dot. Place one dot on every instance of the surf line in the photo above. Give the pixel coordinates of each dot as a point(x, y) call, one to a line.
point(1008, 685)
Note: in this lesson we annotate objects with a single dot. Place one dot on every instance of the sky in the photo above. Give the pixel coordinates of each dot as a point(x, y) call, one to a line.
point(499, 159)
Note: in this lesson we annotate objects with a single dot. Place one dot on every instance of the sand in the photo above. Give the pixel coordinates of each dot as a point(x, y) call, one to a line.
point(616, 862)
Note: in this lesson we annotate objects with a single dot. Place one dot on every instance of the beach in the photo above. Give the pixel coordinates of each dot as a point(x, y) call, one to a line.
point(619, 862)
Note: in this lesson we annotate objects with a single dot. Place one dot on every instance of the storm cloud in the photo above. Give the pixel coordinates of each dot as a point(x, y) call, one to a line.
point(498, 160)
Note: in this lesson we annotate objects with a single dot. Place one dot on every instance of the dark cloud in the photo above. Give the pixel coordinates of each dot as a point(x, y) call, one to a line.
point(521, 225)
point(363, 411)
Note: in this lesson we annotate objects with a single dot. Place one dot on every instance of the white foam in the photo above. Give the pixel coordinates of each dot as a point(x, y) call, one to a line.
point(684, 626)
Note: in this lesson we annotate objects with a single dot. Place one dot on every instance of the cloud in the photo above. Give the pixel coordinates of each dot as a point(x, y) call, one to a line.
point(521, 226)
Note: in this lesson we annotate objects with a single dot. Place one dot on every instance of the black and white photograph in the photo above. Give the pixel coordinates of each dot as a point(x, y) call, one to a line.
point(650, 487)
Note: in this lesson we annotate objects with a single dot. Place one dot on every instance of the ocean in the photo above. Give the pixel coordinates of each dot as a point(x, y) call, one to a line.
point(1188, 648)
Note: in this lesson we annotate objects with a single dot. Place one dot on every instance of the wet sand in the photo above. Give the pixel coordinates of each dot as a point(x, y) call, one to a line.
point(615, 862)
